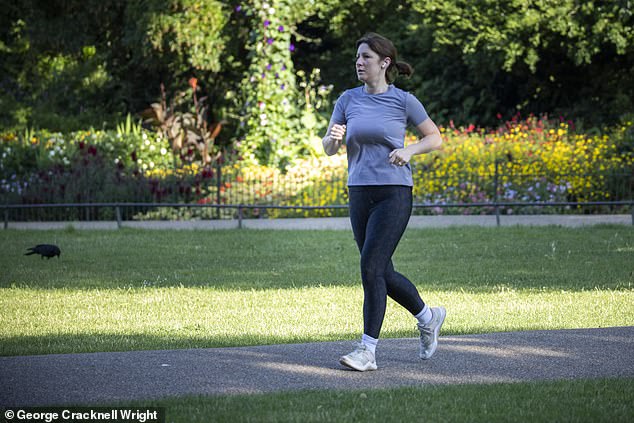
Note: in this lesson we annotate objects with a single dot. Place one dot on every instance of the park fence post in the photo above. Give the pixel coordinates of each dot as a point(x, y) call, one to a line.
point(218, 186)
point(495, 194)
point(117, 212)
point(6, 212)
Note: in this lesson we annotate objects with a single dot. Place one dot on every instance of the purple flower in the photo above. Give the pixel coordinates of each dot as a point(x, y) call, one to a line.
point(269, 41)
point(283, 87)
point(268, 67)
point(238, 8)
point(280, 28)
point(283, 67)
point(267, 23)
point(292, 47)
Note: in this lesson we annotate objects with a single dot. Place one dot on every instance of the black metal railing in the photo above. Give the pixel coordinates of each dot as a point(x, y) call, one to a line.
point(233, 194)
point(118, 209)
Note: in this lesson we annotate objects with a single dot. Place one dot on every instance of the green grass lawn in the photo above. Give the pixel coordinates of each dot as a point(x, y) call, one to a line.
point(134, 289)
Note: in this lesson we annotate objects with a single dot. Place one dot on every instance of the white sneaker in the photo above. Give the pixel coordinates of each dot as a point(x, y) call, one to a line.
point(429, 332)
point(361, 359)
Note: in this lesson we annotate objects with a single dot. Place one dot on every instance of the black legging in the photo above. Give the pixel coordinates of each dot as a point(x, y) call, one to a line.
point(379, 216)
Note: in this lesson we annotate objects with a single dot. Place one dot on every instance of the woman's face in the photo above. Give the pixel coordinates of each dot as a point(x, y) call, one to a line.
point(368, 65)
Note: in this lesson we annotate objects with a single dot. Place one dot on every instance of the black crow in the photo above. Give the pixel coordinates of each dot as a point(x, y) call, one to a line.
point(45, 250)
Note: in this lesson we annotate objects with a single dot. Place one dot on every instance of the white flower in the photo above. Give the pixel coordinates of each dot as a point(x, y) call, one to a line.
point(271, 11)
point(163, 151)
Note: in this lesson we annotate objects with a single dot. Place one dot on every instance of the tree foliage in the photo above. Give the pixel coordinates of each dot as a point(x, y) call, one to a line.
point(73, 63)
point(570, 56)
point(520, 31)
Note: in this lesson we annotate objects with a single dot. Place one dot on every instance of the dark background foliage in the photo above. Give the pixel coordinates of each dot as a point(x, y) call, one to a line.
point(70, 64)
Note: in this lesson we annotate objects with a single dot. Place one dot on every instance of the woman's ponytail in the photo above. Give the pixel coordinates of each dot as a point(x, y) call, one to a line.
point(404, 69)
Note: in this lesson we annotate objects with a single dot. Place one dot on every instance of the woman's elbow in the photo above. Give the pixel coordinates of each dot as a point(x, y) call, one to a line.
point(328, 148)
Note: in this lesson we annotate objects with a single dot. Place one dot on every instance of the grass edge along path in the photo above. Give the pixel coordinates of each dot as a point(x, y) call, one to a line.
point(591, 400)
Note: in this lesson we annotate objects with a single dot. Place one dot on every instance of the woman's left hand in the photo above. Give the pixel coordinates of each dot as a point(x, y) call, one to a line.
point(400, 157)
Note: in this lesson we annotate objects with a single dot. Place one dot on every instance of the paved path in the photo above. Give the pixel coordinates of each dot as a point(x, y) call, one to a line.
point(343, 223)
point(90, 379)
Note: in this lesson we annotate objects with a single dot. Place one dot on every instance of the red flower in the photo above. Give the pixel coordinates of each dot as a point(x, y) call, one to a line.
point(207, 173)
point(193, 82)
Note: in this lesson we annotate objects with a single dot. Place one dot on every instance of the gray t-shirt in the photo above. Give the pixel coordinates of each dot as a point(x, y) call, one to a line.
point(375, 125)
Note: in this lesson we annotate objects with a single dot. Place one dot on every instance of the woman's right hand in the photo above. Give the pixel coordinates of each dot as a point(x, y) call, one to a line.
point(333, 140)
point(337, 132)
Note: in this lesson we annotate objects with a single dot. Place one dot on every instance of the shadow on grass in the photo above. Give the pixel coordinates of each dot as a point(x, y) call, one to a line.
point(84, 343)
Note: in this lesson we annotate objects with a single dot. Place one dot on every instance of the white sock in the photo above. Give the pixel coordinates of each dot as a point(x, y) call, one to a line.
point(369, 342)
point(424, 316)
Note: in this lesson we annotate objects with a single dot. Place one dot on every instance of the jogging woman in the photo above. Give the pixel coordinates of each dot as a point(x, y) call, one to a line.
point(372, 118)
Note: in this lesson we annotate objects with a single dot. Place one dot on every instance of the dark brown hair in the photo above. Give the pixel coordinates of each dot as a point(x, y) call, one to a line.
point(385, 48)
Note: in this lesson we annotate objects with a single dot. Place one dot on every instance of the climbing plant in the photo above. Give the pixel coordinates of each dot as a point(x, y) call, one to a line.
point(277, 120)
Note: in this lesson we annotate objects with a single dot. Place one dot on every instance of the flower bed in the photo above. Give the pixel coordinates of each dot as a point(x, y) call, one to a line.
point(531, 160)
